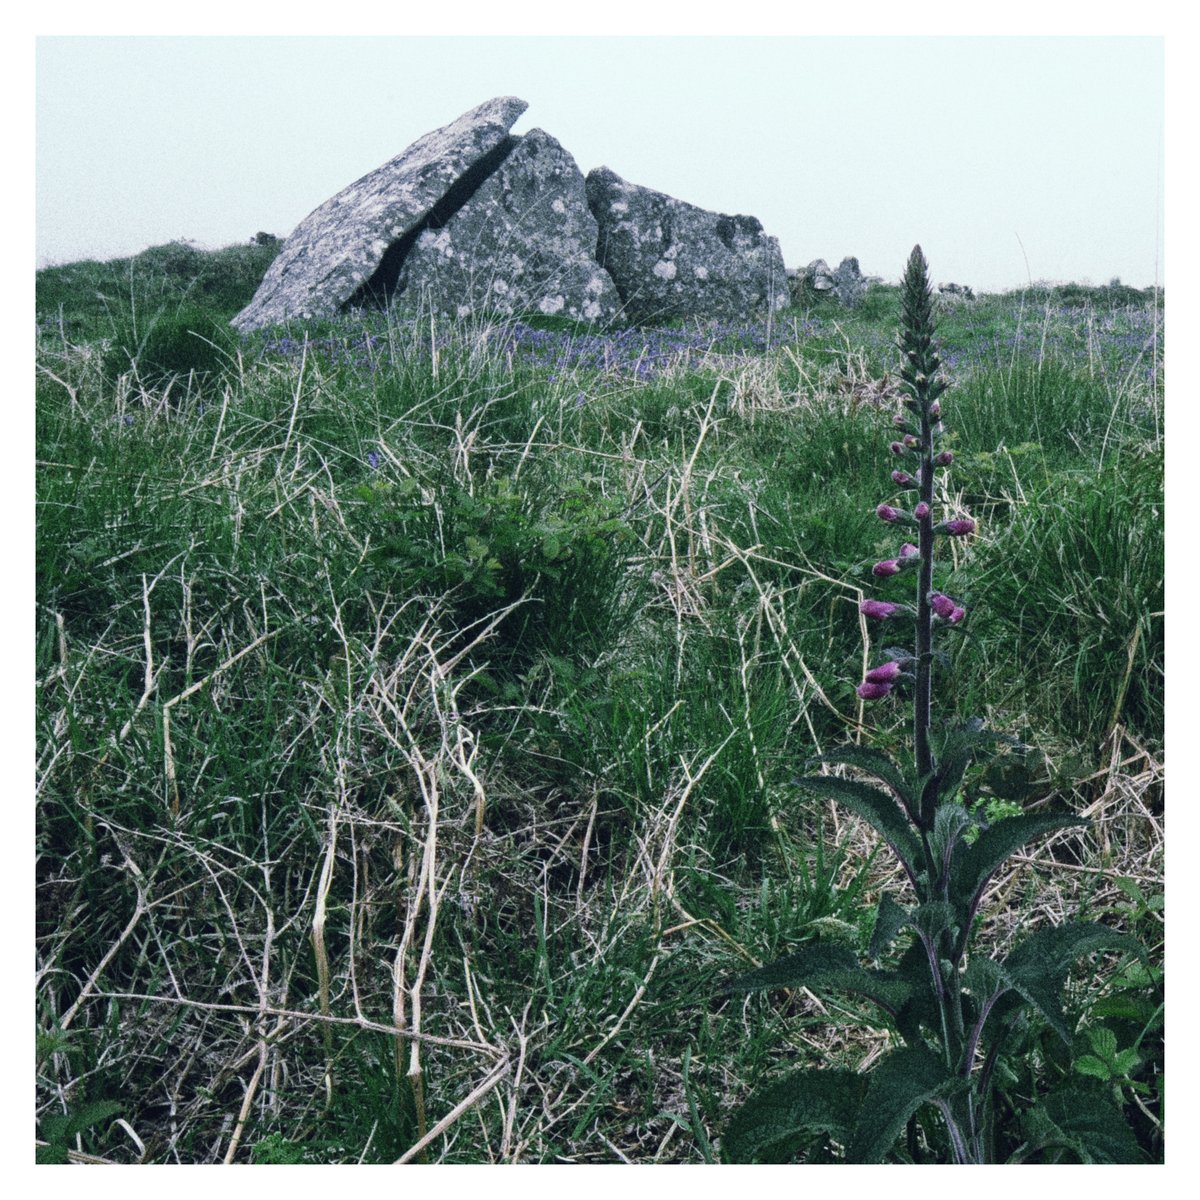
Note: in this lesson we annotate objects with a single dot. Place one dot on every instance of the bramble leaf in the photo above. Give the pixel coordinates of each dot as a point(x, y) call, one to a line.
point(779, 1122)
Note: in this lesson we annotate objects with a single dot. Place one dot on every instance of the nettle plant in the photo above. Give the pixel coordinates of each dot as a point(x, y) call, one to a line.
point(934, 1098)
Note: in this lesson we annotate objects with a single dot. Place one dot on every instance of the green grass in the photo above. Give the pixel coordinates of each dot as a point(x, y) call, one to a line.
point(356, 669)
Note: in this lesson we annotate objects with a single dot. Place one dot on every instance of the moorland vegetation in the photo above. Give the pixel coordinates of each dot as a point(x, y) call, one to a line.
point(419, 709)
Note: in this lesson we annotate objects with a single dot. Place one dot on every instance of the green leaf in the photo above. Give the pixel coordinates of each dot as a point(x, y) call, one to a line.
point(960, 747)
point(921, 1009)
point(873, 762)
point(1089, 1064)
point(779, 1122)
point(877, 808)
point(1003, 838)
point(890, 918)
point(1038, 968)
point(832, 968)
point(1083, 1122)
point(50, 1155)
point(950, 822)
point(900, 1083)
point(92, 1114)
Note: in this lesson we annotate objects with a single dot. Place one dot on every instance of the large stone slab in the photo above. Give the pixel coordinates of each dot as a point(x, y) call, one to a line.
point(350, 249)
point(524, 242)
point(671, 259)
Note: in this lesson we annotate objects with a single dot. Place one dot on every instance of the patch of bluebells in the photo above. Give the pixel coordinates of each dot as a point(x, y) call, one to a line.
point(630, 354)
point(1118, 343)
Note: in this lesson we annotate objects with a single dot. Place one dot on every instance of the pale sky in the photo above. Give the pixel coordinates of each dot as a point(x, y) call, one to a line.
point(1007, 158)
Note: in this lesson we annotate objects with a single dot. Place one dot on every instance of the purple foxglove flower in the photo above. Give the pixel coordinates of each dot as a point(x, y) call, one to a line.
point(902, 478)
point(911, 442)
point(898, 448)
point(908, 550)
point(885, 512)
point(881, 570)
point(935, 409)
point(944, 459)
point(901, 421)
point(921, 511)
point(942, 605)
point(879, 609)
point(958, 528)
point(889, 672)
point(957, 615)
point(873, 691)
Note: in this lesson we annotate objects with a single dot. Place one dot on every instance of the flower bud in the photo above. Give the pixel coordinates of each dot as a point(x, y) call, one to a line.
point(898, 448)
point(903, 479)
point(942, 605)
point(885, 512)
point(889, 566)
point(921, 511)
point(944, 459)
point(889, 672)
point(911, 442)
point(879, 609)
point(908, 550)
point(957, 615)
point(873, 691)
point(958, 528)
point(935, 409)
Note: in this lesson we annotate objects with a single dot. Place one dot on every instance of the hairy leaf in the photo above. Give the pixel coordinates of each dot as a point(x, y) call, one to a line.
point(921, 1008)
point(1083, 1122)
point(961, 746)
point(831, 968)
point(876, 808)
point(874, 762)
point(890, 918)
point(900, 1083)
point(777, 1123)
point(977, 863)
point(1038, 968)
point(949, 824)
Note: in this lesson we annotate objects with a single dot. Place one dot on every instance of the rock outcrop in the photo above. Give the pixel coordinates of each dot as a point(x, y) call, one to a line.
point(816, 282)
point(954, 292)
point(671, 259)
point(524, 242)
point(351, 247)
point(472, 220)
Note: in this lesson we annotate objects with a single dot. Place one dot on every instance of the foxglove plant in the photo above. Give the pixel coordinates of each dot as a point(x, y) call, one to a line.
point(953, 1010)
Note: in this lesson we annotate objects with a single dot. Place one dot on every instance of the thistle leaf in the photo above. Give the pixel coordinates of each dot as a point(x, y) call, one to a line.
point(1082, 1122)
point(900, 1083)
point(827, 968)
point(877, 808)
point(777, 1123)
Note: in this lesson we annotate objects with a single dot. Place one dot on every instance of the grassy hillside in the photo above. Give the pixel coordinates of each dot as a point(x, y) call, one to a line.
point(450, 680)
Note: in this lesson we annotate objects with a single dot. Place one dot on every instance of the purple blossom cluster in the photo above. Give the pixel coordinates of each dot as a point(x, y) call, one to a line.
point(920, 423)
